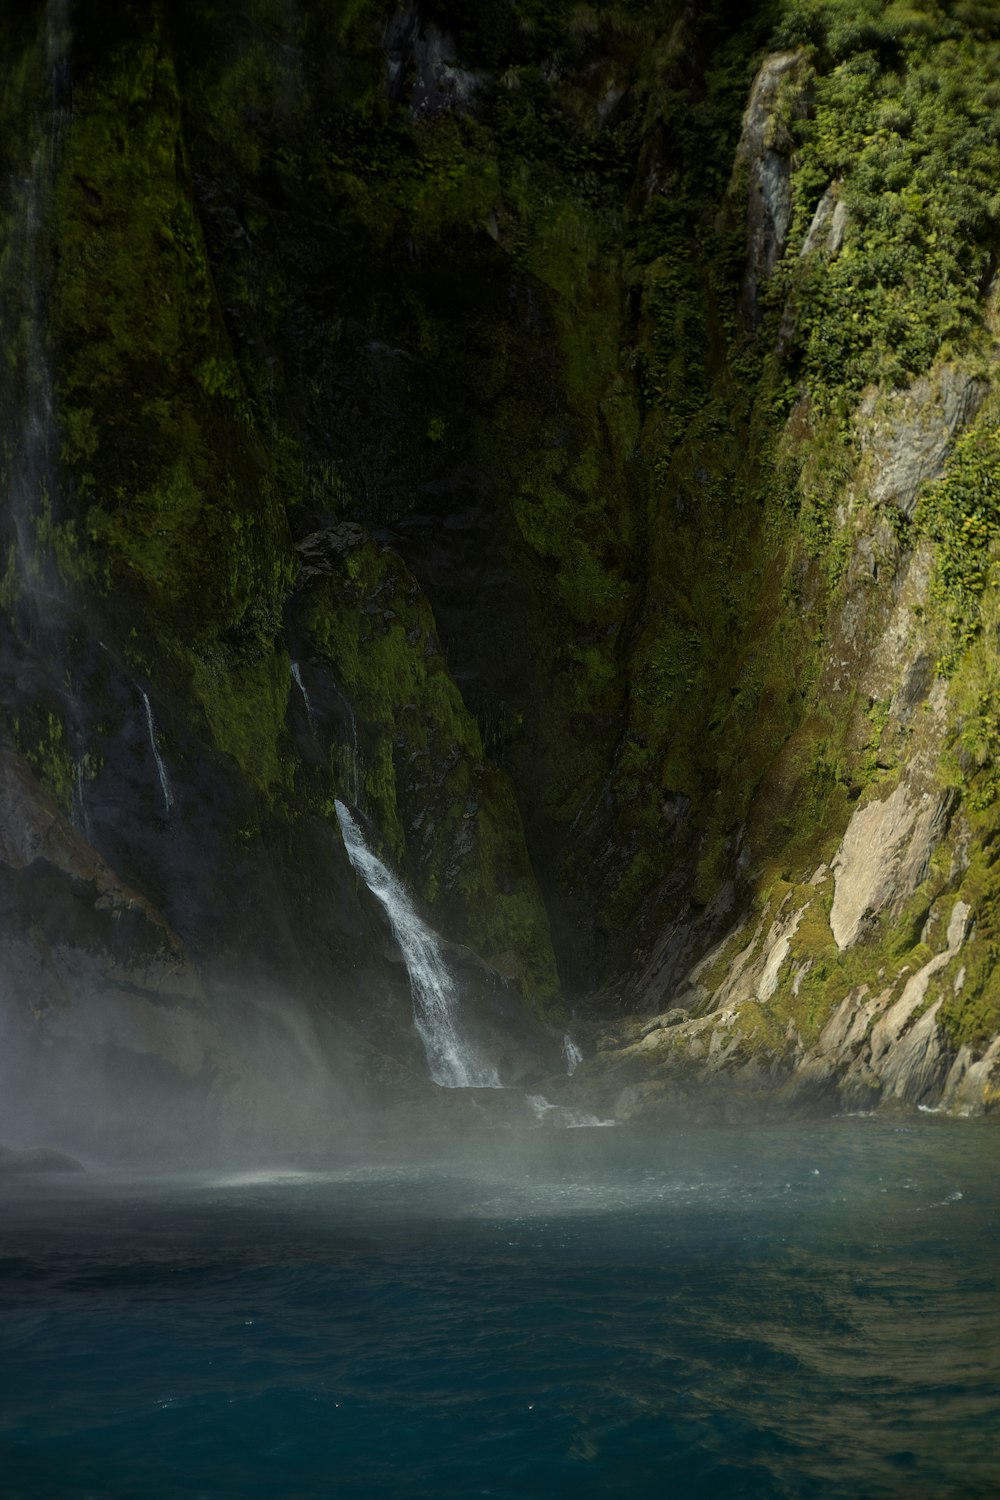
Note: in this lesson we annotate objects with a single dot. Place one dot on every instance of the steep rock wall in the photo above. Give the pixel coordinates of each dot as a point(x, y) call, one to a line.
point(569, 436)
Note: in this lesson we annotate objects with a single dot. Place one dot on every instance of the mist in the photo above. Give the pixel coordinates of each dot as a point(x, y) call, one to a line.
point(126, 1081)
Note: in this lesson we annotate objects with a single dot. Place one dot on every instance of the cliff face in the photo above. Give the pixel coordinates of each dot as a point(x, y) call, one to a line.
point(568, 436)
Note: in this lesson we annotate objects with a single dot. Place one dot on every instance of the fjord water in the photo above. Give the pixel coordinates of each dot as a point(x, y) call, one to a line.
point(771, 1313)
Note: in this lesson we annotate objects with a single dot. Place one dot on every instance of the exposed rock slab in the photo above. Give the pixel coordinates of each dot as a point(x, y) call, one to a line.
point(765, 150)
point(829, 224)
point(884, 857)
point(909, 435)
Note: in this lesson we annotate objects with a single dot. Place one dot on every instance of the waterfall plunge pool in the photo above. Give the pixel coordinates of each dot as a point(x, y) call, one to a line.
point(784, 1312)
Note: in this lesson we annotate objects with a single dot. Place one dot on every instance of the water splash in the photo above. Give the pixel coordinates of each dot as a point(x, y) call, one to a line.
point(168, 796)
point(452, 1060)
point(563, 1117)
point(572, 1054)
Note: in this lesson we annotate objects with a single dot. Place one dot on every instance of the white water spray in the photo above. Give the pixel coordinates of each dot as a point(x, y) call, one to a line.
point(572, 1054)
point(563, 1117)
point(453, 1061)
point(168, 796)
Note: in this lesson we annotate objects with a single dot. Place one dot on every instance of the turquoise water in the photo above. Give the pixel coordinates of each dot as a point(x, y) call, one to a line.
point(769, 1313)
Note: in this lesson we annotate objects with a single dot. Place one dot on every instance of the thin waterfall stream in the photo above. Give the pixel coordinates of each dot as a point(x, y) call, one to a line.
point(306, 700)
point(168, 796)
point(453, 1061)
point(347, 751)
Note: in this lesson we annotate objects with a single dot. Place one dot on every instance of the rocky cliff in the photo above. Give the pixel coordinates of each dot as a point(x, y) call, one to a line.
point(566, 434)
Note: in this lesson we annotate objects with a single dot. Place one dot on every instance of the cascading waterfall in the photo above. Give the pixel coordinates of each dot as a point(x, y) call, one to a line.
point(168, 796)
point(452, 1060)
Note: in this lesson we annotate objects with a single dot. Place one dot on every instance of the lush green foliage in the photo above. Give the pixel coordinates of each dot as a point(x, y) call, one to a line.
point(905, 120)
point(961, 514)
point(445, 814)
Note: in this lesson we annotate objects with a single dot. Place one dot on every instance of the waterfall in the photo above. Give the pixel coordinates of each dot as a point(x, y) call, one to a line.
point(310, 715)
point(168, 796)
point(452, 1061)
point(572, 1054)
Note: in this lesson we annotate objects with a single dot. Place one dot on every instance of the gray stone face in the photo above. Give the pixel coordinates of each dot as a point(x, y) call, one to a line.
point(887, 1047)
point(910, 442)
point(821, 220)
point(775, 181)
point(112, 935)
point(829, 224)
point(765, 148)
point(838, 228)
point(883, 857)
point(421, 58)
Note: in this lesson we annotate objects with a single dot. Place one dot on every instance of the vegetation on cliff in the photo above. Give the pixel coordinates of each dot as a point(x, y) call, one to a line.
point(638, 362)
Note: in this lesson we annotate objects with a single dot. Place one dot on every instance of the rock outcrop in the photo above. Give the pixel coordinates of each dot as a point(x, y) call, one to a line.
point(764, 153)
point(908, 435)
point(883, 857)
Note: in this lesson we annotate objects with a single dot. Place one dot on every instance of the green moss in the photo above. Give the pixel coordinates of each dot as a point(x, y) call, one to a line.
point(529, 317)
point(970, 1011)
point(41, 739)
point(179, 528)
point(961, 515)
point(244, 704)
point(445, 815)
point(572, 503)
point(815, 982)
